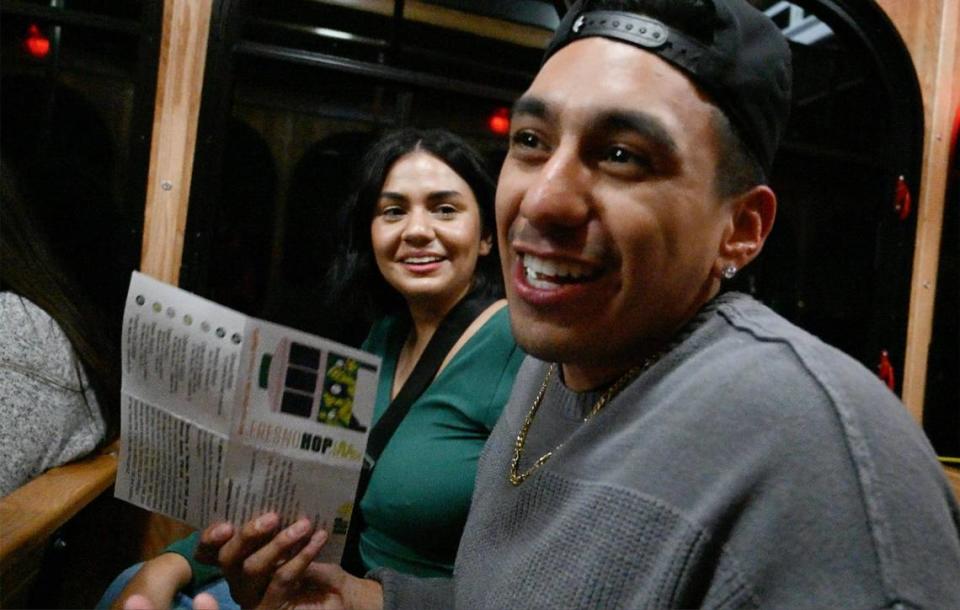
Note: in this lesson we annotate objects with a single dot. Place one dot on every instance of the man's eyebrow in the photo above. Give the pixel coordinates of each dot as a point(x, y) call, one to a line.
point(642, 123)
point(530, 105)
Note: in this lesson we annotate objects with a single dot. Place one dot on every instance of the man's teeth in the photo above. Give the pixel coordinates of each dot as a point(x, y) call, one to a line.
point(543, 273)
point(421, 260)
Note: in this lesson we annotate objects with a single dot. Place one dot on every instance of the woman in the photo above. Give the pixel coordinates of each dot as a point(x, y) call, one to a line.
point(54, 360)
point(418, 242)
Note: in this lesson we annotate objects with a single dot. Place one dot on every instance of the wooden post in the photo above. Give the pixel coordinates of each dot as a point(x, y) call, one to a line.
point(929, 29)
point(183, 50)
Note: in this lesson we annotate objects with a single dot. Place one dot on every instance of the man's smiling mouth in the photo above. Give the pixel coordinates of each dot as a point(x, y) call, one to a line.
point(545, 273)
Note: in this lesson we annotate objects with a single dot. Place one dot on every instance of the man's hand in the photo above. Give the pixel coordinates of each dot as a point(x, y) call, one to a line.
point(298, 583)
point(270, 569)
point(250, 557)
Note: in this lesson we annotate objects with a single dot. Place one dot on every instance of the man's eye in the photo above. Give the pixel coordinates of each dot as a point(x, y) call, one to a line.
point(618, 154)
point(623, 161)
point(526, 139)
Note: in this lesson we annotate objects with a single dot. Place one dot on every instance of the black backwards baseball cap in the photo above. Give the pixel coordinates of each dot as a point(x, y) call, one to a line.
point(743, 62)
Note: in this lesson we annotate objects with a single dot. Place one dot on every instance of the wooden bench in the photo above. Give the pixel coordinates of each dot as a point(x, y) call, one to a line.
point(30, 515)
point(91, 546)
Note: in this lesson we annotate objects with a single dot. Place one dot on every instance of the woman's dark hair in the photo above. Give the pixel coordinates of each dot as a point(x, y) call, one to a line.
point(29, 269)
point(354, 282)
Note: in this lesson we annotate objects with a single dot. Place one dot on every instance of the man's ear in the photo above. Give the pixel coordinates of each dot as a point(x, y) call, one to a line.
point(751, 218)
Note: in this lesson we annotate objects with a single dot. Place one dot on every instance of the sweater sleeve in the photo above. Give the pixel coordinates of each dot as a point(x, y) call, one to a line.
point(203, 574)
point(49, 415)
point(404, 592)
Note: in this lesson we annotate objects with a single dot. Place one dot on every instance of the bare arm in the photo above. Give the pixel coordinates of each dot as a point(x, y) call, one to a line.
point(203, 601)
point(158, 581)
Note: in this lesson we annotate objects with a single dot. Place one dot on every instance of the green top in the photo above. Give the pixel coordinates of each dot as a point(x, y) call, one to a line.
point(203, 574)
point(418, 498)
point(417, 502)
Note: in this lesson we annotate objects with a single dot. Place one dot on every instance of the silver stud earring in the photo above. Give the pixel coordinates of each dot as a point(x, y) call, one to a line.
point(729, 271)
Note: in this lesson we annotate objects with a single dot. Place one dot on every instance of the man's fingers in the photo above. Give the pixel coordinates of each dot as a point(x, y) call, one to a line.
point(283, 545)
point(251, 537)
point(211, 539)
point(289, 582)
point(292, 570)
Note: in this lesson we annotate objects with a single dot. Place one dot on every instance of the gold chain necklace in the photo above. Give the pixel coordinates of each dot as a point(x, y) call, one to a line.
point(517, 477)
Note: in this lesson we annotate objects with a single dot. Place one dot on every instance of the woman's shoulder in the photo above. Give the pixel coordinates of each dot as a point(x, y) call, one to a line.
point(381, 333)
point(496, 319)
point(50, 415)
point(32, 338)
point(17, 310)
point(492, 326)
point(381, 327)
point(487, 364)
point(489, 339)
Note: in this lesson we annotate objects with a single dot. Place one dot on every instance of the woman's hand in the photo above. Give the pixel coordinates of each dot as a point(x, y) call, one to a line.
point(274, 570)
point(157, 581)
point(203, 601)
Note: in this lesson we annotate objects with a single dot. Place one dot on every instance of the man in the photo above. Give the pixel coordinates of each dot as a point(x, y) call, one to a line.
point(664, 446)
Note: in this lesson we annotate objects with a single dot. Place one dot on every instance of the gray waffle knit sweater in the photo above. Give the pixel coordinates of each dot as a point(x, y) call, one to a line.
point(48, 412)
point(751, 467)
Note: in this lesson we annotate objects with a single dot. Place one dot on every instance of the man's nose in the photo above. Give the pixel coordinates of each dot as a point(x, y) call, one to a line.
point(559, 194)
point(418, 228)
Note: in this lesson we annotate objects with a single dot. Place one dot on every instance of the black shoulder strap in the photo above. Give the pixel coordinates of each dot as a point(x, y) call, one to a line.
point(450, 330)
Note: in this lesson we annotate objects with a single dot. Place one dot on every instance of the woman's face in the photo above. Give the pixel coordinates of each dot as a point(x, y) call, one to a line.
point(426, 232)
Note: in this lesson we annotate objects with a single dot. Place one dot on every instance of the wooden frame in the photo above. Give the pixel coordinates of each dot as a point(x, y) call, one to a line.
point(33, 512)
point(186, 25)
point(930, 31)
point(183, 51)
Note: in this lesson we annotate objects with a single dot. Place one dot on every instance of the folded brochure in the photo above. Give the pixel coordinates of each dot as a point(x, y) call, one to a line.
point(225, 416)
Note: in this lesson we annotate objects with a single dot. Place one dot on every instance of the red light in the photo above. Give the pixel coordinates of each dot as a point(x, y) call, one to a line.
point(499, 121)
point(36, 43)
